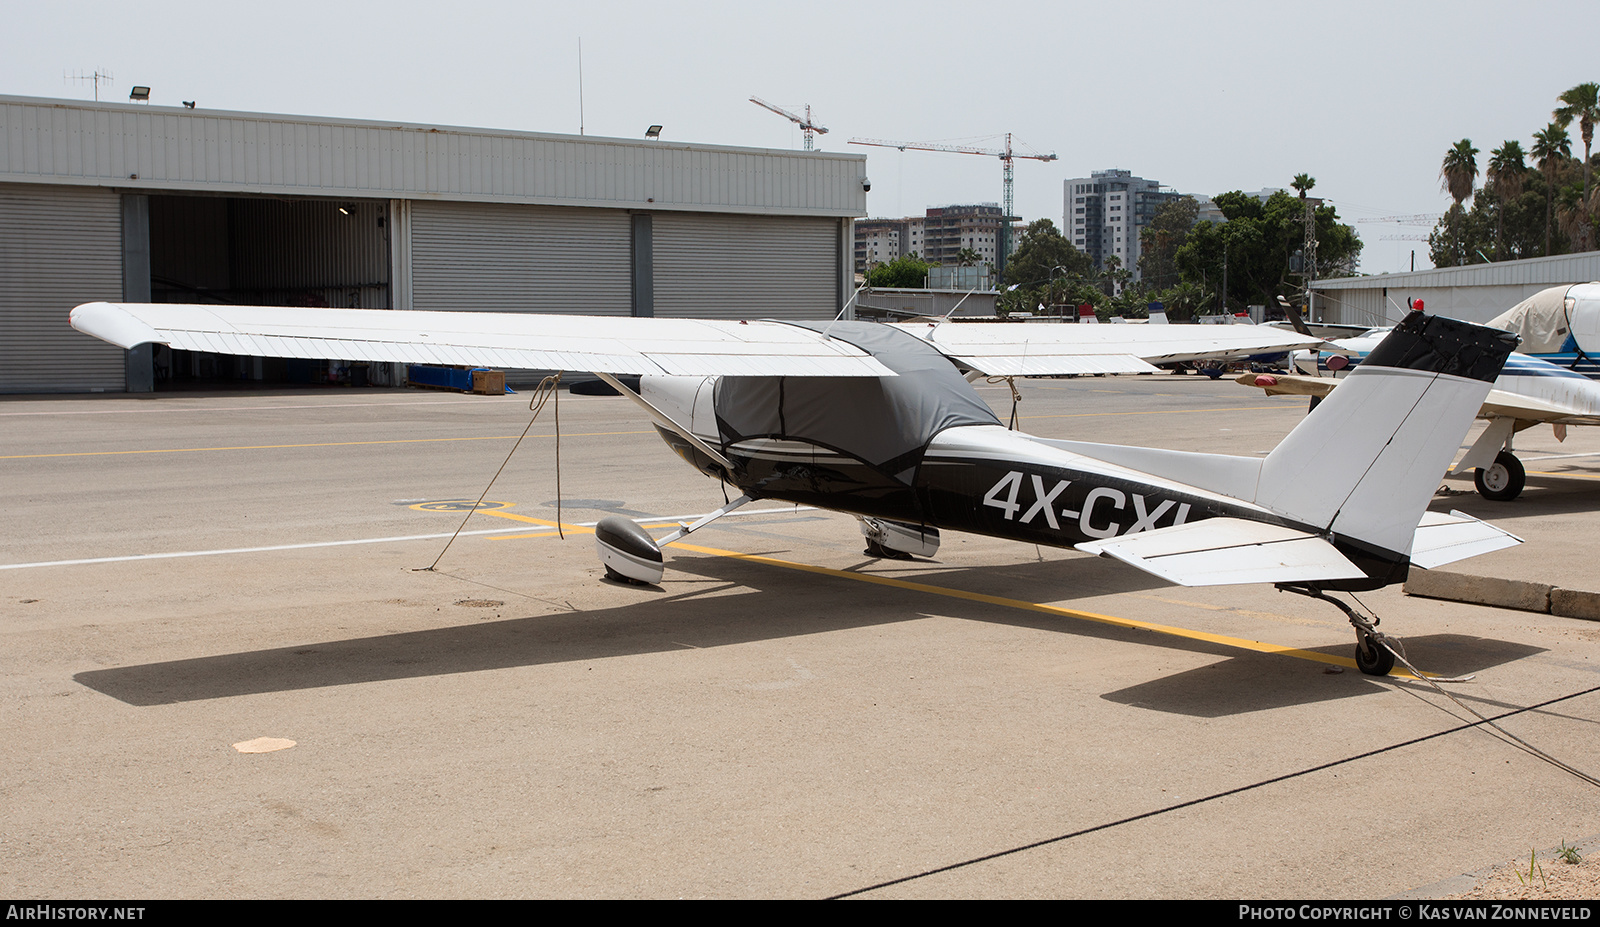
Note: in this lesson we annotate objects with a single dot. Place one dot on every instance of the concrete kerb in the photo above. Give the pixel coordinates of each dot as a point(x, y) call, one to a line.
point(1504, 593)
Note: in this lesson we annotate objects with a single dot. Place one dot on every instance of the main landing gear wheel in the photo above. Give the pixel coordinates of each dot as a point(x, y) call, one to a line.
point(874, 549)
point(1372, 657)
point(1503, 480)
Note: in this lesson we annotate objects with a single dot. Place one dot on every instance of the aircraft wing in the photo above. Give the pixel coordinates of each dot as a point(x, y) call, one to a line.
point(605, 344)
point(1027, 349)
point(1499, 404)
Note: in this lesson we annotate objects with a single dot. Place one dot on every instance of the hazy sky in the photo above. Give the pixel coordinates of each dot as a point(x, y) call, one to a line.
point(1203, 97)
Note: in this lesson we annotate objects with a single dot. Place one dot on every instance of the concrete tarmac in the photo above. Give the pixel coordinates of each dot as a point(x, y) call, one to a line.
point(782, 717)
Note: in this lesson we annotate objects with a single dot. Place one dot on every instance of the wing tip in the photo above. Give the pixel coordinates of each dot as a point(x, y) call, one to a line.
point(112, 322)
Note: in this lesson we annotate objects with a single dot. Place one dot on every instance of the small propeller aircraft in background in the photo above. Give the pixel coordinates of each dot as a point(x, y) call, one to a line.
point(1531, 389)
point(879, 421)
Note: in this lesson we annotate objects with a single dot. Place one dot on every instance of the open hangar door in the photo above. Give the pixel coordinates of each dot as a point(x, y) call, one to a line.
point(259, 251)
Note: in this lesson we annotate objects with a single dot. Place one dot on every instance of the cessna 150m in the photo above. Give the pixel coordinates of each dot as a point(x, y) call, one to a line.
point(877, 421)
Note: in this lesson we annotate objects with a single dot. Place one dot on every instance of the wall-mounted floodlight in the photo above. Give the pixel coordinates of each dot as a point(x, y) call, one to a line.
point(653, 132)
point(140, 93)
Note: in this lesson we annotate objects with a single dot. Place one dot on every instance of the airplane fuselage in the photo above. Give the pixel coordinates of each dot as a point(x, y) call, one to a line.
point(977, 478)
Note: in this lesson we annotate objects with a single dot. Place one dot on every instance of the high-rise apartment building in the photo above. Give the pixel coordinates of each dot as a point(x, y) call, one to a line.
point(1105, 211)
point(937, 237)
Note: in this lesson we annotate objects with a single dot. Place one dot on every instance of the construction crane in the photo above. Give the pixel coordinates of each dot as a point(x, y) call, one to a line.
point(1427, 218)
point(1006, 156)
point(806, 125)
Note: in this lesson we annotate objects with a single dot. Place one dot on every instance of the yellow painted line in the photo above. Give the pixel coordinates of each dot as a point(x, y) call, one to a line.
point(551, 534)
point(1564, 473)
point(576, 529)
point(271, 447)
point(1236, 642)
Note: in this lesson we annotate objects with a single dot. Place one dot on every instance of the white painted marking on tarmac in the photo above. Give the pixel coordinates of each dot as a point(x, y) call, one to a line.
point(287, 408)
point(1562, 456)
point(172, 555)
point(263, 745)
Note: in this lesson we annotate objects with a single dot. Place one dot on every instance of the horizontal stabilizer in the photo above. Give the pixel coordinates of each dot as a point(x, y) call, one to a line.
point(1220, 551)
point(1442, 539)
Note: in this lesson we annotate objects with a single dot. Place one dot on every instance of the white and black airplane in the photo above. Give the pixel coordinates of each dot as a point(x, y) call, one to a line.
point(878, 421)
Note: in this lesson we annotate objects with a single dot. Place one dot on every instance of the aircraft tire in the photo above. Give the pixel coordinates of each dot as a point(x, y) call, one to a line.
point(874, 549)
point(1372, 658)
point(1503, 480)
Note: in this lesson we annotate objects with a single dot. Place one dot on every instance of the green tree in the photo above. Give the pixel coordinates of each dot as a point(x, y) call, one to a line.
point(907, 272)
point(1583, 104)
point(1458, 174)
point(1114, 277)
point(1160, 240)
point(1256, 243)
point(1183, 301)
point(1505, 180)
point(1551, 149)
point(1044, 269)
point(1459, 171)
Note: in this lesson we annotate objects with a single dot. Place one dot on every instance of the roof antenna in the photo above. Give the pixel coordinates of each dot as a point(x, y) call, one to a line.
point(580, 85)
point(99, 75)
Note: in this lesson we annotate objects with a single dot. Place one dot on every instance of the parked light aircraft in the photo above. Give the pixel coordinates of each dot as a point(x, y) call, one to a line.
point(1560, 324)
point(877, 421)
point(1529, 391)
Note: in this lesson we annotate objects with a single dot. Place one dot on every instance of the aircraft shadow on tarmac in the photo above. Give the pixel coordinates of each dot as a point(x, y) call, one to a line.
point(1260, 681)
point(1559, 494)
point(671, 620)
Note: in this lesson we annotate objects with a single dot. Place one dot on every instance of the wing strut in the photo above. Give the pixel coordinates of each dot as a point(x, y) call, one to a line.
point(666, 421)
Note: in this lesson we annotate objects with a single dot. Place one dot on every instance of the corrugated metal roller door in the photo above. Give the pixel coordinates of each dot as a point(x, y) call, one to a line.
point(59, 246)
point(492, 257)
point(713, 266)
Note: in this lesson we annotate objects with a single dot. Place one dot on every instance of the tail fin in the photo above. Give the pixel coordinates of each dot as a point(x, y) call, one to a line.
point(1364, 465)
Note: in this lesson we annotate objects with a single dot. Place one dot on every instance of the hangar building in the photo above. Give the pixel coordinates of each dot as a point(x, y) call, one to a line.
point(124, 201)
point(1475, 293)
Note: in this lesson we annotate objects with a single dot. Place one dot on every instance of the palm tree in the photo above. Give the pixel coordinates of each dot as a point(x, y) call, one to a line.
point(1505, 172)
point(1459, 172)
point(1550, 148)
point(1302, 183)
point(1583, 104)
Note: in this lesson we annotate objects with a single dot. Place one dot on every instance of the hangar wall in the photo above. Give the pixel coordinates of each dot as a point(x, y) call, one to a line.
point(1475, 293)
point(289, 210)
